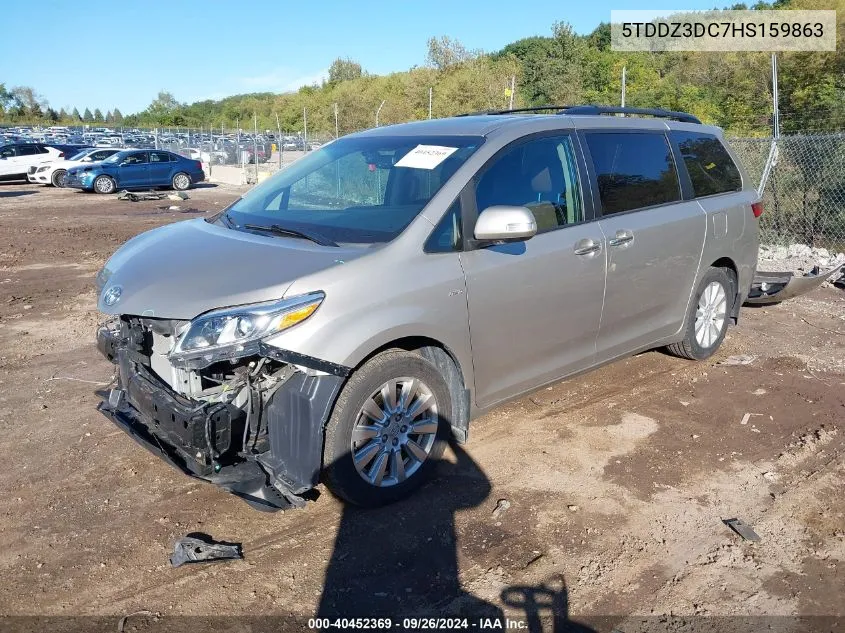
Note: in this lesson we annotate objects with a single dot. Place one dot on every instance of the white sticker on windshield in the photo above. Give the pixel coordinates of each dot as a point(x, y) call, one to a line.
point(426, 156)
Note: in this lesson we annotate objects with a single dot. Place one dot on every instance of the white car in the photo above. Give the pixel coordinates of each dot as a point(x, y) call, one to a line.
point(53, 173)
point(17, 158)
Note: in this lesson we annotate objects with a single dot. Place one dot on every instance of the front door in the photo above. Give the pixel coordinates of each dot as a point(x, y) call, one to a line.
point(534, 306)
point(654, 239)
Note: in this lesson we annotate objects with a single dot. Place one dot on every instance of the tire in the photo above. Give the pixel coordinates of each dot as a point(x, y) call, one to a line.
point(386, 443)
point(104, 184)
point(58, 178)
point(181, 181)
point(714, 296)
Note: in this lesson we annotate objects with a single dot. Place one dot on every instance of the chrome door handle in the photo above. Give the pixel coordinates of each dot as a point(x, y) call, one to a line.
point(587, 246)
point(622, 237)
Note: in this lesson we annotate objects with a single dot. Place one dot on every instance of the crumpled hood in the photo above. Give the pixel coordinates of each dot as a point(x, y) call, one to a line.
point(181, 270)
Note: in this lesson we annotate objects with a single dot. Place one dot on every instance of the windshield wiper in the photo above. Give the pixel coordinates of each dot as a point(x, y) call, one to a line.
point(278, 229)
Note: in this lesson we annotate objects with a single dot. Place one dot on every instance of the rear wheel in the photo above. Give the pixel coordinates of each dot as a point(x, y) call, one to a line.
point(707, 319)
point(104, 184)
point(181, 181)
point(387, 429)
point(58, 177)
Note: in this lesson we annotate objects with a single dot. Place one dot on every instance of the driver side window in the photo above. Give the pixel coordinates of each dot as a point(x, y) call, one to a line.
point(540, 174)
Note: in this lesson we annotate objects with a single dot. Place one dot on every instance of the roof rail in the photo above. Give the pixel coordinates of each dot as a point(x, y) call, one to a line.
point(516, 110)
point(655, 112)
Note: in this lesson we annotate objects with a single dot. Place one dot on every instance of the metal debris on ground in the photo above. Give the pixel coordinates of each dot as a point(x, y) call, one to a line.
point(121, 624)
point(177, 195)
point(137, 196)
point(193, 549)
point(742, 528)
point(501, 507)
point(742, 359)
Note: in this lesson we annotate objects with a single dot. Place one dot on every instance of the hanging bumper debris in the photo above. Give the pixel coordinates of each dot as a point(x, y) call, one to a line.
point(772, 287)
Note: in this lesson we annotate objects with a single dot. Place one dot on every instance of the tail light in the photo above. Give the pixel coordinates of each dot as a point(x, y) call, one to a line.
point(61, 154)
point(757, 209)
point(199, 164)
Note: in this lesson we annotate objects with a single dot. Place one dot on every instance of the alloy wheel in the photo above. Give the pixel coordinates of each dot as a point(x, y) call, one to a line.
point(181, 182)
point(394, 432)
point(710, 315)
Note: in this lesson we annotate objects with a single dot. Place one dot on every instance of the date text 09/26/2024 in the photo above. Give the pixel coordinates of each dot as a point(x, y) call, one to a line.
point(418, 623)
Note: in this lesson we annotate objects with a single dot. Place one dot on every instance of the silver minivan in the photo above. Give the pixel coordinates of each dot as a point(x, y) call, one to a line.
point(347, 317)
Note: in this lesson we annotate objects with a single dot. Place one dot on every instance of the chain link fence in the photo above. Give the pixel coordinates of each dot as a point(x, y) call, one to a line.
point(804, 194)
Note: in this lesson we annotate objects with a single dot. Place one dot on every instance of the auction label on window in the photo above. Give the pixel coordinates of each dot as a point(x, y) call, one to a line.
point(426, 156)
point(722, 31)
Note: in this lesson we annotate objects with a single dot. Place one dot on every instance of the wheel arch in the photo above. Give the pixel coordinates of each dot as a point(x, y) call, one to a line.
point(733, 272)
point(447, 363)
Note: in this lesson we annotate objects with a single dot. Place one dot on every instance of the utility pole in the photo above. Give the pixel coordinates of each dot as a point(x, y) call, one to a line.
point(776, 110)
point(378, 111)
point(624, 82)
point(304, 130)
point(255, 143)
point(513, 87)
point(336, 134)
point(430, 95)
point(279, 140)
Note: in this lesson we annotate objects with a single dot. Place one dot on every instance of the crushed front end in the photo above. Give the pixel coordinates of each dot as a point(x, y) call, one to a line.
point(249, 421)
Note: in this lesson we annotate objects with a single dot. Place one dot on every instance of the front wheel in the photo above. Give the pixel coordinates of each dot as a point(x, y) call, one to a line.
point(387, 430)
point(58, 178)
point(104, 184)
point(707, 319)
point(181, 181)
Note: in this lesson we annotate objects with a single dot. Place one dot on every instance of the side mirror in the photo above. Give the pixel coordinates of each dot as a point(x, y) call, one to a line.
point(505, 224)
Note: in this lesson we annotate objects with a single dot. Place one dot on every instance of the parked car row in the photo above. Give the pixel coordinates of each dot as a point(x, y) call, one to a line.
point(103, 170)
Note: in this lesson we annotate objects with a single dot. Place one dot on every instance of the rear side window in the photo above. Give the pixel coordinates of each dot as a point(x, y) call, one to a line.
point(27, 150)
point(708, 163)
point(159, 157)
point(634, 170)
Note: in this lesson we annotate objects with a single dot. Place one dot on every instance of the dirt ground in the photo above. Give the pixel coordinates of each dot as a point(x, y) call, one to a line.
point(611, 488)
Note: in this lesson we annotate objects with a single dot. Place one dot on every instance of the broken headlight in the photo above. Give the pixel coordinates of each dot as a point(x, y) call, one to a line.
point(233, 331)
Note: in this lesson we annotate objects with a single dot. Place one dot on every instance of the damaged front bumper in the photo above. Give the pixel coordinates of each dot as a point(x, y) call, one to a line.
point(205, 438)
point(773, 287)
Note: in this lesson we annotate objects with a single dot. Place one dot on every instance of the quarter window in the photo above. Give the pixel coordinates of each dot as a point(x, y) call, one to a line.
point(540, 174)
point(708, 163)
point(446, 237)
point(633, 170)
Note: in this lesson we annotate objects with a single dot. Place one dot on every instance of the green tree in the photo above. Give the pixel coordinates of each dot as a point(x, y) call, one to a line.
point(98, 116)
point(344, 70)
point(445, 52)
point(117, 116)
point(87, 116)
point(75, 115)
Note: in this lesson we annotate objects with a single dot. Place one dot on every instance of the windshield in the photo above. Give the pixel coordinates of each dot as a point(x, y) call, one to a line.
point(80, 155)
point(361, 190)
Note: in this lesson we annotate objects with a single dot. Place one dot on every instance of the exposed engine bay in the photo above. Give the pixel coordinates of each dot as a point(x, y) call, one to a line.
point(251, 416)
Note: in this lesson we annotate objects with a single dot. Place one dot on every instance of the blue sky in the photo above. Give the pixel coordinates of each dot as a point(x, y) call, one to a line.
point(208, 49)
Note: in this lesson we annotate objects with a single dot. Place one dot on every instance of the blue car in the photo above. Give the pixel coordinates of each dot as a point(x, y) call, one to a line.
point(136, 169)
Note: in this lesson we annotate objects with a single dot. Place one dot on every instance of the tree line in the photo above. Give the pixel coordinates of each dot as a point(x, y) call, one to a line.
point(732, 90)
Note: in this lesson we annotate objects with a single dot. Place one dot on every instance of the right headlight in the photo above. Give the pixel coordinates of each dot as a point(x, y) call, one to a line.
point(236, 331)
